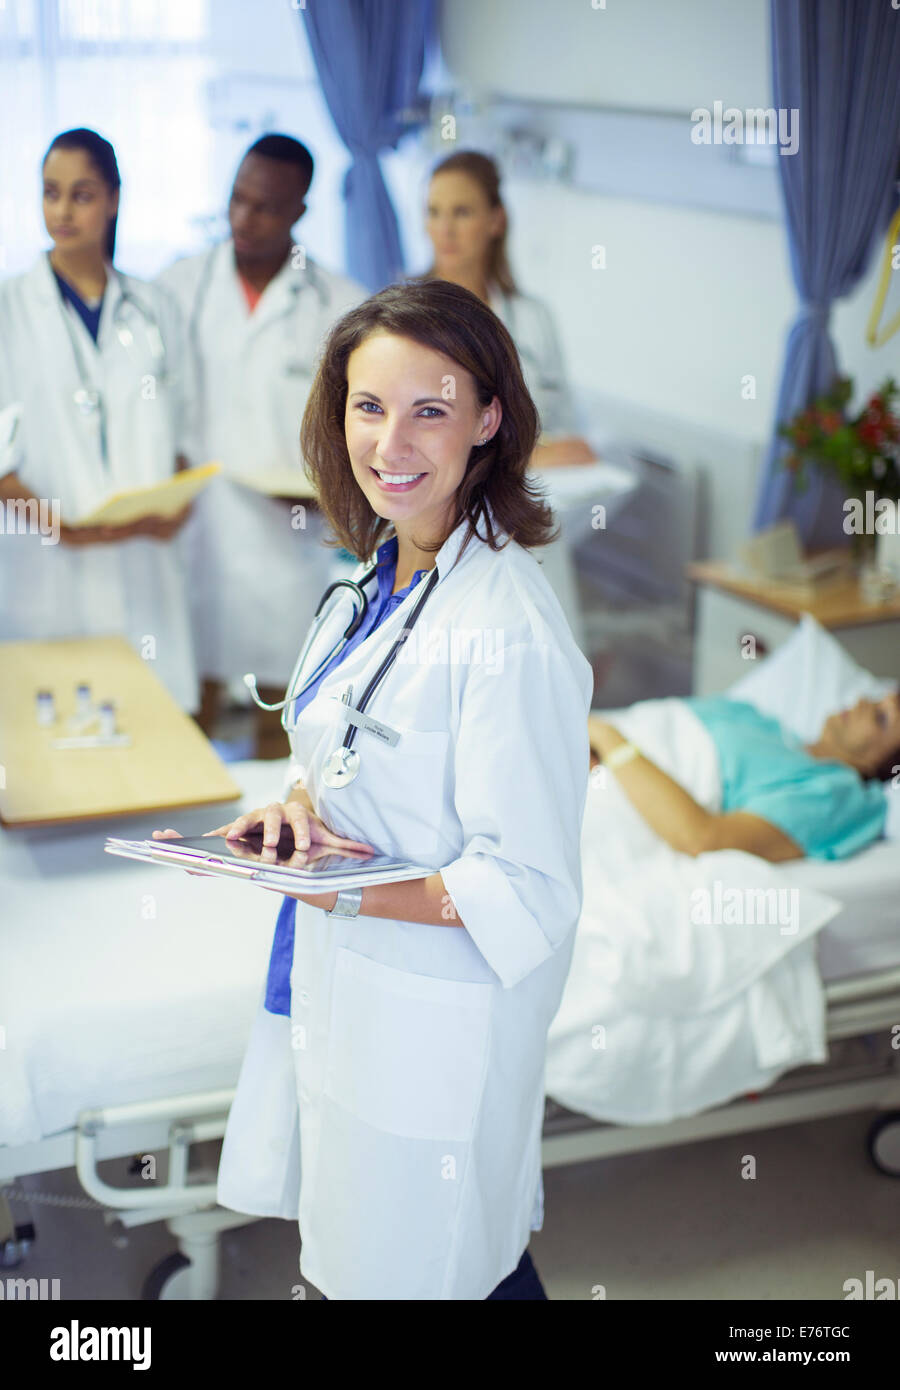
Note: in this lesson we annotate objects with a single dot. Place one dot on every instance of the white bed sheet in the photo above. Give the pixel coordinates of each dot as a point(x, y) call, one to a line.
point(160, 997)
point(162, 1005)
point(865, 935)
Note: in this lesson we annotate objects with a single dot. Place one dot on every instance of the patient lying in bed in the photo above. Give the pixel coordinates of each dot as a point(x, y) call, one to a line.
point(781, 799)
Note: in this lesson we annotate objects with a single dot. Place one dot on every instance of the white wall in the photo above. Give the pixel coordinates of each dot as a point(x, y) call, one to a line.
point(691, 301)
point(651, 55)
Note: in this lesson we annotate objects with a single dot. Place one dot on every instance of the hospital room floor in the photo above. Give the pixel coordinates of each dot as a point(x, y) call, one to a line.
point(677, 1223)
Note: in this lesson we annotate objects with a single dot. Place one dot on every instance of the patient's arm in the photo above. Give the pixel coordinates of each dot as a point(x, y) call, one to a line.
point(744, 830)
point(680, 820)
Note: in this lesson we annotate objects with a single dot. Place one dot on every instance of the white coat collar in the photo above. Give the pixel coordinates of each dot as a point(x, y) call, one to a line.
point(43, 281)
point(280, 295)
point(497, 300)
point(447, 556)
point(42, 278)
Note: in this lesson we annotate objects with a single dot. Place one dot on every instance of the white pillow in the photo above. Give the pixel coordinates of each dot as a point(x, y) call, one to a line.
point(807, 678)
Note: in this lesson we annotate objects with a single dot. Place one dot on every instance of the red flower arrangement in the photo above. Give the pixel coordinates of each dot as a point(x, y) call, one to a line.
point(863, 452)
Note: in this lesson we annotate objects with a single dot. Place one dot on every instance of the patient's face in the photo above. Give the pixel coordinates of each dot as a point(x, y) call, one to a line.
point(864, 735)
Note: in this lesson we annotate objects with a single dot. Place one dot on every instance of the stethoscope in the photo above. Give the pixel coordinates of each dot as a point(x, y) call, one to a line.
point(87, 398)
point(301, 280)
point(342, 766)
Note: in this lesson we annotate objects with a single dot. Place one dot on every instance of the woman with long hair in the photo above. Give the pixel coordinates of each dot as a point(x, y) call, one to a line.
point(96, 361)
point(467, 224)
point(392, 1094)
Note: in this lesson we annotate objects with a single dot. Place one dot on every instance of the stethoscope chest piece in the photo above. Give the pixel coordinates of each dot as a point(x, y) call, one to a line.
point(340, 767)
point(88, 402)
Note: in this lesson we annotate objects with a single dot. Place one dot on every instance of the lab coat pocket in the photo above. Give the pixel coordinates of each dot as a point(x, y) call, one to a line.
point(408, 1053)
point(406, 784)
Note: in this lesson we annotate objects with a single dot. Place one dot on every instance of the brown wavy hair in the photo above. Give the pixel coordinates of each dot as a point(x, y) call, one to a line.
point(455, 322)
point(485, 173)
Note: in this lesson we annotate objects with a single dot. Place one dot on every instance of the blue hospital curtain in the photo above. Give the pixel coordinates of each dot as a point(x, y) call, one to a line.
point(369, 56)
point(838, 63)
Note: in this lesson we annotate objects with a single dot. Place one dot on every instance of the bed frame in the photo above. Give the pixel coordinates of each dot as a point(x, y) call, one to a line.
point(857, 1007)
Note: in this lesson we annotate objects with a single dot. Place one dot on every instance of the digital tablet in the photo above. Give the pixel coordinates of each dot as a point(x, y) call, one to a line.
point(317, 859)
point(247, 858)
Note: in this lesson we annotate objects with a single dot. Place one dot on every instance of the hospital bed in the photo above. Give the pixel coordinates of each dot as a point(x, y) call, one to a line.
point(854, 970)
point(126, 1000)
point(858, 955)
point(126, 1006)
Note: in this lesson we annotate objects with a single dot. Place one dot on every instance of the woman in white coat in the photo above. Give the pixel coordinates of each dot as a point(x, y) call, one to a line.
point(392, 1093)
point(467, 222)
point(97, 362)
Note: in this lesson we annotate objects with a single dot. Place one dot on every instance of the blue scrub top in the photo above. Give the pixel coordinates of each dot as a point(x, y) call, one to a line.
point(278, 982)
point(88, 313)
point(825, 807)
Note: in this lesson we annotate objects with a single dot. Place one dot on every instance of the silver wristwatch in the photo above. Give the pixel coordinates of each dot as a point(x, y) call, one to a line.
point(348, 903)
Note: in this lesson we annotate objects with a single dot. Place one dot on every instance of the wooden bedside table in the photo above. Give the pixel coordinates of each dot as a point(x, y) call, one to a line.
point(731, 608)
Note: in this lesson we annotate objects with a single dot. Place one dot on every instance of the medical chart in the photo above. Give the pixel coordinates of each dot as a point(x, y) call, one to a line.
point(163, 499)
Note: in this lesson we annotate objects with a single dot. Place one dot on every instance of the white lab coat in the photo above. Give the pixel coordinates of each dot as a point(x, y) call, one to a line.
point(255, 374)
point(414, 1055)
point(135, 588)
point(532, 328)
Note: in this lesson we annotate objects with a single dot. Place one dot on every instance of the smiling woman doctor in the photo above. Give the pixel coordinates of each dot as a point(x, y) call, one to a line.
point(413, 1051)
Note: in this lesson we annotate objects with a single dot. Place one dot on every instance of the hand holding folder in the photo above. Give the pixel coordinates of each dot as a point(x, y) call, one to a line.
point(157, 527)
point(143, 510)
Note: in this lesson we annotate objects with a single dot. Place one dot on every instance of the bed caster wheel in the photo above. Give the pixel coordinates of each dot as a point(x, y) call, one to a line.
point(14, 1250)
point(884, 1143)
point(11, 1254)
point(118, 1232)
point(169, 1279)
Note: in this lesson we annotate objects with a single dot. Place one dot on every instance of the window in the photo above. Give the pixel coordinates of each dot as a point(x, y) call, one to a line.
point(180, 87)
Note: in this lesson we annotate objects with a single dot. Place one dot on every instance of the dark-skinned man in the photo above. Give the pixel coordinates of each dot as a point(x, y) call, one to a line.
point(258, 309)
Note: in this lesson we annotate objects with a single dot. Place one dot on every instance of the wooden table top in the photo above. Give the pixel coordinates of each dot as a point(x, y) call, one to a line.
point(834, 603)
point(169, 762)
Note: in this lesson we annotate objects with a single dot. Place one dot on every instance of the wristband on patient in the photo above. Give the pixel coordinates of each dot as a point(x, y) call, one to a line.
point(623, 754)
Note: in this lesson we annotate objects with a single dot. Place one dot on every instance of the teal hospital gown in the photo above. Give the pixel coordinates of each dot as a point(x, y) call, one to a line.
point(825, 807)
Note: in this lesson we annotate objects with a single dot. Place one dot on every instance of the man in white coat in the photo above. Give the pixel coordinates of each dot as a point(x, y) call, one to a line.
point(258, 310)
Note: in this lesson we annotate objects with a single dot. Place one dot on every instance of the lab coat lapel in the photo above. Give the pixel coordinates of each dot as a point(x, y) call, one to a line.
point(112, 297)
point(292, 312)
point(50, 306)
point(499, 304)
point(388, 630)
point(224, 298)
point(449, 553)
point(41, 282)
point(277, 300)
point(445, 561)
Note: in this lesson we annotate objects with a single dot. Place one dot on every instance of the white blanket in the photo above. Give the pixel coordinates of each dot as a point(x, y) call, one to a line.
point(120, 981)
point(693, 980)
